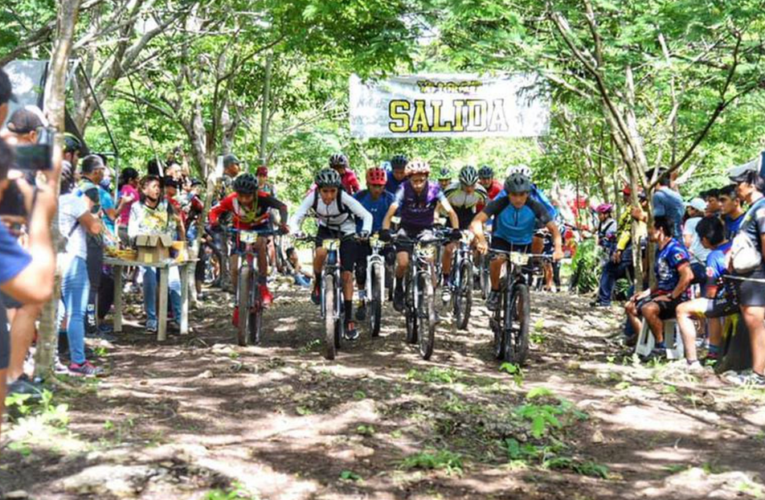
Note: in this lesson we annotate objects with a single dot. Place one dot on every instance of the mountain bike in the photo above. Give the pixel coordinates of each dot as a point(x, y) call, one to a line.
point(375, 286)
point(482, 266)
point(510, 321)
point(462, 282)
point(420, 303)
point(248, 297)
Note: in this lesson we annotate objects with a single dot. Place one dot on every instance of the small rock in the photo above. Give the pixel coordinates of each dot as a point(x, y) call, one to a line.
point(205, 374)
point(597, 437)
point(16, 495)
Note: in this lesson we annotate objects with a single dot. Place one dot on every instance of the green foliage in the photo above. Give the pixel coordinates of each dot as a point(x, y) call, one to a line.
point(348, 475)
point(435, 460)
point(24, 406)
point(585, 265)
point(436, 375)
point(514, 370)
point(587, 468)
point(235, 492)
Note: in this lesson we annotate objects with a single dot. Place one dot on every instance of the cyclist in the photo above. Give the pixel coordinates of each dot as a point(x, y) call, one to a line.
point(444, 178)
point(419, 199)
point(486, 178)
point(467, 198)
point(339, 163)
point(335, 211)
point(517, 217)
point(377, 201)
point(398, 171)
point(249, 207)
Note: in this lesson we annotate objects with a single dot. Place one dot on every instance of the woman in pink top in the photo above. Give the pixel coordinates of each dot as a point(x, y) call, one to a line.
point(128, 195)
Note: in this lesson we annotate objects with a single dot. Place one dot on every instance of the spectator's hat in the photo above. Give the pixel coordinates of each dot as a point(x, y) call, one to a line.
point(698, 204)
point(229, 160)
point(741, 173)
point(25, 120)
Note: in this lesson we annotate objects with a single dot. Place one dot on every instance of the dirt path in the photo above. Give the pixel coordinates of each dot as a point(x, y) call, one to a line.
point(201, 418)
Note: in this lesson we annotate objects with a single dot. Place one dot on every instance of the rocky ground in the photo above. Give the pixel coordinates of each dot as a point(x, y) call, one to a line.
point(198, 417)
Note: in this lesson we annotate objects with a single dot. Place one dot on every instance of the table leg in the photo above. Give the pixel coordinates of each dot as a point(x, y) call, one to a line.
point(162, 312)
point(184, 322)
point(117, 270)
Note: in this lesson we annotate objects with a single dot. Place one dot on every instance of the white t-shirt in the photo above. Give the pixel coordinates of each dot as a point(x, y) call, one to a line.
point(697, 250)
point(70, 208)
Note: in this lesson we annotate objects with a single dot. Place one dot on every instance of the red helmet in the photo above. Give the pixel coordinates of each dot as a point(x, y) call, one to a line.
point(376, 176)
point(262, 170)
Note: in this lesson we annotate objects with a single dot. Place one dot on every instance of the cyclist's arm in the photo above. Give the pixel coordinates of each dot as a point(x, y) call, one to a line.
point(444, 204)
point(273, 202)
point(686, 277)
point(297, 218)
point(225, 205)
point(477, 226)
point(360, 212)
point(389, 215)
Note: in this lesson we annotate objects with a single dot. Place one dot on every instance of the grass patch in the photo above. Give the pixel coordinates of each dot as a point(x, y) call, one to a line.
point(435, 460)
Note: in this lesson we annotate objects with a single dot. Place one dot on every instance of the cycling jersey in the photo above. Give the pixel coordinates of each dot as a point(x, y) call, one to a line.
point(418, 210)
point(378, 208)
point(732, 225)
point(494, 190)
point(392, 184)
point(516, 225)
point(337, 216)
point(669, 261)
point(717, 268)
point(350, 181)
point(466, 205)
point(537, 195)
point(247, 218)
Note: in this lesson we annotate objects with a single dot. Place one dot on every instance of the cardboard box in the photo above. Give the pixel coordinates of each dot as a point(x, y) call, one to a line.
point(153, 248)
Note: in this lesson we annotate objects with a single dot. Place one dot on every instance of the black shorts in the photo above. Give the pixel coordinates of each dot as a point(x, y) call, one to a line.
point(412, 234)
point(752, 293)
point(666, 308)
point(10, 302)
point(721, 306)
point(348, 246)
point(505, 246)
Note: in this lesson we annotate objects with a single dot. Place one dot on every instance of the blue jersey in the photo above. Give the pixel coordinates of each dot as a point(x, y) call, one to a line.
point(732, 226)
point(516, 225)
point(669, 204)
point(392, 185)
point(378, 208)
point(537, 195)
point(668, 263)
point(717, 267)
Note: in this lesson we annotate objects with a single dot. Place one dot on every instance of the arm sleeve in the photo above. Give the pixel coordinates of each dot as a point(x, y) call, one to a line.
point(496, 206)
point(354, 182)
point(225, 205)
point(444, 202)
point(278, 205)
point(540, 212)
point(360, 212)
point(302, 211)
point(399, 197)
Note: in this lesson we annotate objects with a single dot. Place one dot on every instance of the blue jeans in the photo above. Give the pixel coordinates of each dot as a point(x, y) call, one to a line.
point(150, 292)
point(611, 272)
point(74, 297)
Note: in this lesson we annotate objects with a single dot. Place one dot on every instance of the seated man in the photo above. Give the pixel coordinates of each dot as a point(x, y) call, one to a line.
point(720, 298)
point(673, 277)
point(517, 217)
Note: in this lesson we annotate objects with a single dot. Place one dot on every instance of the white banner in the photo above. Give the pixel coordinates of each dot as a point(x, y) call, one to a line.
point(443, 105)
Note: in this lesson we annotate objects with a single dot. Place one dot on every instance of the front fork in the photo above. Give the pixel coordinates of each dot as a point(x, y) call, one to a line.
point(371, 261)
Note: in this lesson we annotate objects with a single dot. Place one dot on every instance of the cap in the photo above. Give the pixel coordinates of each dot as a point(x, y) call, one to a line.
point(229, 160)
point(25, 120)
point(698, 204)
point(741, 173)
point(262, 170)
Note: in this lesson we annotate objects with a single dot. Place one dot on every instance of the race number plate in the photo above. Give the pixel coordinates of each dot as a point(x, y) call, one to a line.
point(248, 236)
point(519, 259)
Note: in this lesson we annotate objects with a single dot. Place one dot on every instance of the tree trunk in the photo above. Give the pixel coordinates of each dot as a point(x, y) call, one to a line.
point(68, 12)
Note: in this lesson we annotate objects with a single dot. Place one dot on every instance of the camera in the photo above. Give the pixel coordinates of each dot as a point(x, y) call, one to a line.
point(37, 156)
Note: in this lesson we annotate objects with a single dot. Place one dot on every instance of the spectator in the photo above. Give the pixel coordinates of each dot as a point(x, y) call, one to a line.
point(173, 171)
point(76, 220)
point(171, 195)
point(264, 184)
point(673, 276)
point(128, 188)
point(26, 275)
point(302, 276)
point(751, 290)
point(667, 202)
point(230, 171)
point(698, 252)
point(731, 210)
point(711, 197)
point(154, 215)
point(719, 298)
point(94, 171)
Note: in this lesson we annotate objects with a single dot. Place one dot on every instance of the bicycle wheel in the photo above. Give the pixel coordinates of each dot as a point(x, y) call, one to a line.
point(463, 295)
point(412, 321)
point(243, 302)
point(330, 326)
point(516, 325)
point(375, 309)
point(428, 331)
point(485, 278)
point(256, 317)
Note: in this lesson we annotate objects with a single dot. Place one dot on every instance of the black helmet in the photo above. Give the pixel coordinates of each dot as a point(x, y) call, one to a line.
point(398, 162)
point(517, 183)
point(196, 182)
point(327, 178)
point(72, 144)
point(246, 184)
point(338, 160)
point(486, 172)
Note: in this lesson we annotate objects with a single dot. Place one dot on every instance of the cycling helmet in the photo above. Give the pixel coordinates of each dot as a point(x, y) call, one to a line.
point(376, 176)
point(338, 160)
point(604, 208)
point(246, 184)
point(327, 178)
point(519, 169)
point(398, 162)
point(486, 172)
point(72, 144)
point(517, 183)
point(444, 173)
point(468, 175)
point(417, 167)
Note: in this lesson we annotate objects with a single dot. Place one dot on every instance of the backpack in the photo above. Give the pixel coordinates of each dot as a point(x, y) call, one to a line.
point(341, 207)
point(745, 256)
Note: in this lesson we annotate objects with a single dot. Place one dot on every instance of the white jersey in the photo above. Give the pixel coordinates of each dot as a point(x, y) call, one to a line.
point(338, 215)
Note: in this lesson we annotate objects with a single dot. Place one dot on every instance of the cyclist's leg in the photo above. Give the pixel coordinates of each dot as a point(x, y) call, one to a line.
point(446, 261)
point(262, 247)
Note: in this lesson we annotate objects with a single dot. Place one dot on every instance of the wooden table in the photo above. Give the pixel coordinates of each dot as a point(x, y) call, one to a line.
point(183, 268)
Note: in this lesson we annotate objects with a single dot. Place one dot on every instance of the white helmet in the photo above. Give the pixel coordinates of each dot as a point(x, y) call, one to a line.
point(519, 169)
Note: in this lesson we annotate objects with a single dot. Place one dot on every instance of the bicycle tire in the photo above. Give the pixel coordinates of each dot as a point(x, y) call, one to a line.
point(428, 332)
point(463, 297)
point(243, 302)
point(375, 309)
point(330, 326)
point(412, 321)
point(516, 325)
point(256, 317)
point(485, 279)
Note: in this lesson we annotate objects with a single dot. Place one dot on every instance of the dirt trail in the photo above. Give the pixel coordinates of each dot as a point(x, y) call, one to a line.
point(201, 418)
